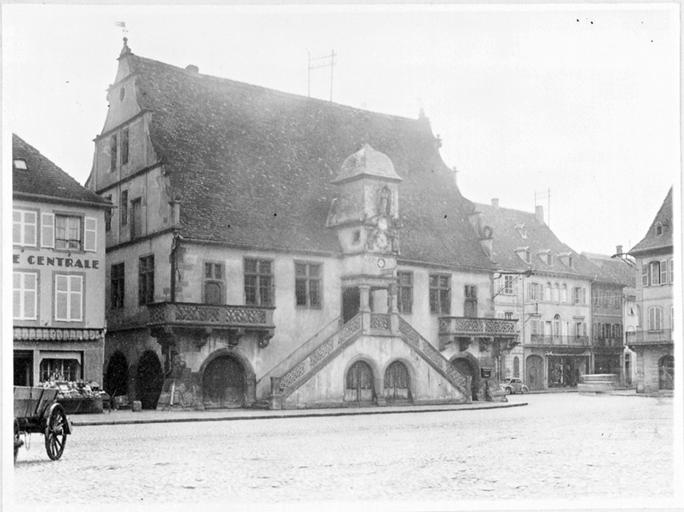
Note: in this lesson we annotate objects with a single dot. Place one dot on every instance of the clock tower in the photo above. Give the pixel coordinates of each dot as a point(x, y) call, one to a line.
point(365, 215)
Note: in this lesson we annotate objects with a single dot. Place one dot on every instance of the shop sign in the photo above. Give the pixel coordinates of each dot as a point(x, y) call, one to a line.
point(485, 373)
point(53, 261)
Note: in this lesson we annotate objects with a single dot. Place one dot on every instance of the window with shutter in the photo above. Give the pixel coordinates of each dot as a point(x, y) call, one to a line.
point(24, 227)
point(68, 298)
point(655, 272)
point(47, 230)
point(90, 234)
point(644, 274)
point(25, 295)
point(671, 276)
point(663, 272)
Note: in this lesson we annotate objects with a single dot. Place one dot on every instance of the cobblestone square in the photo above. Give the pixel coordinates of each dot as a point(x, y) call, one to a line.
point(560, 446)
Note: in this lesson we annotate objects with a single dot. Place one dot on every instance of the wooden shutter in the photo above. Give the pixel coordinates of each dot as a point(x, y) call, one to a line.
point(47, 230)
point(90, 234)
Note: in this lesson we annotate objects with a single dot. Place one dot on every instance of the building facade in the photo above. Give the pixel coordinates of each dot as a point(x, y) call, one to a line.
point(546, 286)
point(282, 251)
point(58, 273)
point(653, 341)
point(612, 306)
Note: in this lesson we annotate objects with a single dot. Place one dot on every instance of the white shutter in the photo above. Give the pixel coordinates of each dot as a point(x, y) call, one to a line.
point(90, 234)
point(47, 230)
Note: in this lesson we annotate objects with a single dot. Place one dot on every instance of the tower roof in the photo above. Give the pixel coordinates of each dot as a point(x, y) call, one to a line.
point(367, 162)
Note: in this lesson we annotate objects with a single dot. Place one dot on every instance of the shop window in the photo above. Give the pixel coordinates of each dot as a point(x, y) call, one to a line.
point(213, 283)
point(258, 282)
point(24, 227)
point(68, 235)
point(25, 295)
point(68, 298)
point(60, 370)
point(117, 286)
point(440, 294)
point(405, 292)
point(146, 280)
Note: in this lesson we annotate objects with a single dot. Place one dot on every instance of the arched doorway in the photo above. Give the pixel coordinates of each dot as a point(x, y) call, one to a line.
point(535, 373)
point(150, 380)
point(359, 383)
point(223, 383)
point(470, 369)
point(116, 376)
point(666, 372)
point(397, 381)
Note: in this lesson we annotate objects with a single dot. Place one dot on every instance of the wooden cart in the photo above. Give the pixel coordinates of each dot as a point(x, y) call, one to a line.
point(36, 411)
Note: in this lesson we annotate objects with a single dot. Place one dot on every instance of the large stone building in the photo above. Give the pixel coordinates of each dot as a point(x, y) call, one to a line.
point(58, 251)
point(546, 285)
point(612, 311)
point(653, 341)
point(275, 249)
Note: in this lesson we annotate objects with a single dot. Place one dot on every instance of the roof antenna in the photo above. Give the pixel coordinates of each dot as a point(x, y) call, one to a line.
point(315, 63)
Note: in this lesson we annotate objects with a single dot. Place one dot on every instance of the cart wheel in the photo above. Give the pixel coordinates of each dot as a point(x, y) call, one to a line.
point(56, 433)
point(17, 440)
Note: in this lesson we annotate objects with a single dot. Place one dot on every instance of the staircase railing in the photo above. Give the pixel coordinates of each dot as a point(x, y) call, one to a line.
point(282, 387)
point(434, 357)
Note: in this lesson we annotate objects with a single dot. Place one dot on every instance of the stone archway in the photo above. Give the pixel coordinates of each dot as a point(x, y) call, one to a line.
point(116, 377)
point(150, 380)
point(469, 366)
point(228, 380)
point(397, 382)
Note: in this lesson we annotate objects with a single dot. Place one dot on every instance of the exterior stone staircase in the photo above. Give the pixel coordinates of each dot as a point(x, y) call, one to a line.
point(363, 324)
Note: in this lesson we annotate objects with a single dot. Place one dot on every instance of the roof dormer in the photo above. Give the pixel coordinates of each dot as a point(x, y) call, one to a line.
point(545, 256)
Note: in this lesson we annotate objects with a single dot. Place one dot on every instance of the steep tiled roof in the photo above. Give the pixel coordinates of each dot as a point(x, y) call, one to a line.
point(653, 241)
point(43, 177)
point(254, 166)
point(613, 270)
point(515, 230)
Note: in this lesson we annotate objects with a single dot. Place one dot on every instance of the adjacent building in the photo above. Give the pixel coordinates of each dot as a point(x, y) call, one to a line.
point(58, 258)
point(546, 286)
point(653, 341)
point(276, 250)
point(612, 311)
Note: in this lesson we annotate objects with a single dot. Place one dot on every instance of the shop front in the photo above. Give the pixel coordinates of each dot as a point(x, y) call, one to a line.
point(566, 370)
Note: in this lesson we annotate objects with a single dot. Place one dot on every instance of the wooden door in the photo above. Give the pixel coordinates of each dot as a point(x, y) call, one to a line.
point(666, 372)
point(397, 382)
point(223, 383)
point(359, 383)
point(351, 301)
point(535, 373)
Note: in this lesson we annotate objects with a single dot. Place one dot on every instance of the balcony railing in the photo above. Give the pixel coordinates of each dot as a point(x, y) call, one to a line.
point(478, 327)
point(209, 315)
point(607, 342)
point(641, 337)
point(559, 341)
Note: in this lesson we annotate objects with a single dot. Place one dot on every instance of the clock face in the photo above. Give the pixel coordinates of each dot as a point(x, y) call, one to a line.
point(381, 263)
point(381, 240)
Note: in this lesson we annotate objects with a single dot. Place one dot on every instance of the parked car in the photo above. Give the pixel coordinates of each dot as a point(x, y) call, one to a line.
point(513, 386)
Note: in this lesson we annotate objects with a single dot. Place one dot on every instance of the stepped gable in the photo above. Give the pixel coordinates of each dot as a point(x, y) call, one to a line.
point(44, 178)
point(613, 270)
point(507, 225)
point(253, 166)
point(652, 241)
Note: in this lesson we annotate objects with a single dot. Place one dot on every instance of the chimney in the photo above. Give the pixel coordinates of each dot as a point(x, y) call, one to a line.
point(192, 68)
point(618, 250)
point(495, 202)
point(539, 213)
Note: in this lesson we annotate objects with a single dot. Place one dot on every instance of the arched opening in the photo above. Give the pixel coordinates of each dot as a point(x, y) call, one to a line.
point(469, 367)
point(397, 383)
point(359, 383)
point(666, 372)
point(535, 372)
point(223, 383)
point(150, 380)
point(116, 376)
point(516, 367)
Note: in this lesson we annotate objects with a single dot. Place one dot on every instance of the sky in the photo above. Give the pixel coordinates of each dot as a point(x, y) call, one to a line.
point(579, 100)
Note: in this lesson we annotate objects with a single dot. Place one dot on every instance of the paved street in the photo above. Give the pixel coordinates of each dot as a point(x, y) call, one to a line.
point(559, 446)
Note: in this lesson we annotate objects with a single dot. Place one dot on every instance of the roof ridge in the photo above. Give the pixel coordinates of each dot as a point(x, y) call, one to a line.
point(279, 92)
